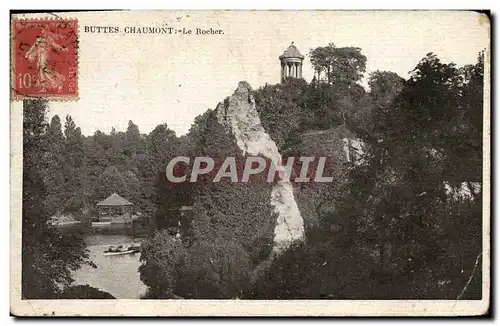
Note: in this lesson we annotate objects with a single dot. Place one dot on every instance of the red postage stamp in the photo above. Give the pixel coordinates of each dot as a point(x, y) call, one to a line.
point(44, 59)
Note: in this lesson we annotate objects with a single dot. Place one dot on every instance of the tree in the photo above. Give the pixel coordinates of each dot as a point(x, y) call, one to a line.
point(214, 270)
point(34, 146)
point(162, 258)
point(337, 98)
point(133, 140)
point(101, 139)
point(281, 108)
point(221, 209)
point(161, 145)
point(465, 154)
point(73, 169)
point(318, 269)
point(48, 256)
point(74, 144)
point(397, 198)
point(53, 177)
point(85, 292)
point(334, 105)
point(340, 65)
point(111, 180)
point(222, 226)
point(385, 86)
point(396, 231)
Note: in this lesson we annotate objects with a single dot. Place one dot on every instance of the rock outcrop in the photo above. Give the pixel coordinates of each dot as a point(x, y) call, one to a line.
point(240, 117)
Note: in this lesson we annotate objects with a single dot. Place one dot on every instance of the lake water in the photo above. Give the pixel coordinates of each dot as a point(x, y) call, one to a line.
point(116, 275)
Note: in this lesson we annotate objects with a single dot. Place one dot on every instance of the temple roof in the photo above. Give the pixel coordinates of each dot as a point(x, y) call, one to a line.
point(292, 52)
point(114, 200)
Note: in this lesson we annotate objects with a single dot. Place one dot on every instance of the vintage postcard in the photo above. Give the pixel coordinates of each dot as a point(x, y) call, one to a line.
point(250, 163)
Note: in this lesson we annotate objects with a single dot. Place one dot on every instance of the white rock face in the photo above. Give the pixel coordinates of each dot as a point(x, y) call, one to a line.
point(466, 190)
point(242, 120)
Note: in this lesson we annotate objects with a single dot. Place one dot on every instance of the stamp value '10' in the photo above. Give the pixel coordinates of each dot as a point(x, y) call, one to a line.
point(44, 59)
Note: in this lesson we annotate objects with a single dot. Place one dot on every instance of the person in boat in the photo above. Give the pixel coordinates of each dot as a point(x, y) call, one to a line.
point(115, 249)
point(134, 248)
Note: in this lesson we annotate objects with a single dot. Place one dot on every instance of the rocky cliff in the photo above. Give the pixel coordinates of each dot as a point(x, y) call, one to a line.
point(240, 118)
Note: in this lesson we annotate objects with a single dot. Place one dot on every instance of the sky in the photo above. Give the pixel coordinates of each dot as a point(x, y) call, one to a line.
point(158, 78)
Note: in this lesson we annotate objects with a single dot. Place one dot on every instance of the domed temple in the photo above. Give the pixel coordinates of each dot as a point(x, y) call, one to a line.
point(291, 63)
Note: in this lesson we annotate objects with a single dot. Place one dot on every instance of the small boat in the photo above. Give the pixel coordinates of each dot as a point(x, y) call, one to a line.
point(120, 250)
point(63, 223)
point(105, 223)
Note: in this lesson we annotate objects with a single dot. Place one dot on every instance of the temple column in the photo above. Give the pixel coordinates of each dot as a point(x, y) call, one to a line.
point(282, 71)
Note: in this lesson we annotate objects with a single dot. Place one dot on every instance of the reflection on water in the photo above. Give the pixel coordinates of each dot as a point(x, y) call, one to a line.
point(116, 275)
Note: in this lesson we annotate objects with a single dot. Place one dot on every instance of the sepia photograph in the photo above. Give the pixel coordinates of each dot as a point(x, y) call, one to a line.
point(250, 163)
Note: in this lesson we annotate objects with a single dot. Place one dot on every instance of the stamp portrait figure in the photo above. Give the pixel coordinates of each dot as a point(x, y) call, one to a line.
point(44, 56)
point(38, 53)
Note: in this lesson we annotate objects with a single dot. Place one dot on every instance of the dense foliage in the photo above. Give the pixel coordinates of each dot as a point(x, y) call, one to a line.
point(224, 237)
point(408, 219)
point(85, 170)
point(48, 256)
point(338, 65)
point(402, 218)
point(388, 227)
point(84, 292)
